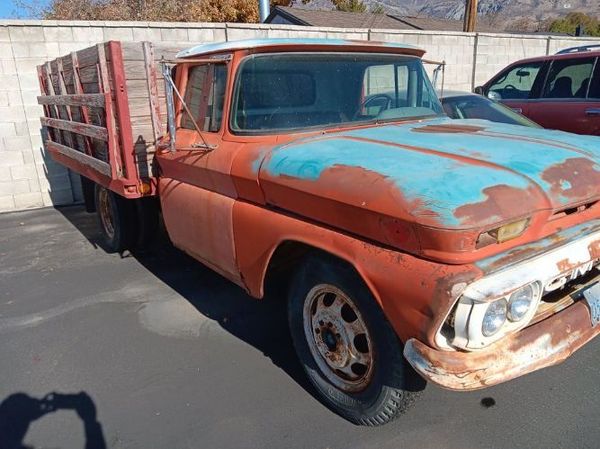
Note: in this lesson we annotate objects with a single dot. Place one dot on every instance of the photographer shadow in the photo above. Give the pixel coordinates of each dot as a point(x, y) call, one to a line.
point(19, 410)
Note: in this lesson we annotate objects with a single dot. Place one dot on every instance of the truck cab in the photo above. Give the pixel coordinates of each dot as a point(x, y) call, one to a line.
point(408, 245)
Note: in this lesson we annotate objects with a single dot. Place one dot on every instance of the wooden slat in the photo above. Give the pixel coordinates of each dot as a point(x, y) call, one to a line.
point(77, 87)
point(50, 86)
point(96, 100)
point(71, 140)
point(88, 57)
point(99, 166)
point(96, 132)
point(152, 89)
point(139, 88)
point(114, 155)
point(132, 51)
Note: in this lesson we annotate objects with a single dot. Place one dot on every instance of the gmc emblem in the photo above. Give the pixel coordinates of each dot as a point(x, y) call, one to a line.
point(560, 281)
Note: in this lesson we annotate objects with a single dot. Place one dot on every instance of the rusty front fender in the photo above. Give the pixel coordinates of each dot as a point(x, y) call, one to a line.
point(415, 294)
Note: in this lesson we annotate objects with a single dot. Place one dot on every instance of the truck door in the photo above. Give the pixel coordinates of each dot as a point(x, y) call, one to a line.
point(567, 102)
point(516, 86)
point(196, 190)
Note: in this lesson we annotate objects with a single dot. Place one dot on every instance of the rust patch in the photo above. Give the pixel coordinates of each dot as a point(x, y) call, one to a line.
point(565, 265)
point(594, 249)
point(502, 201)
point(354, 199)
point(392, 203)
point(449, 129)
point(575, 178)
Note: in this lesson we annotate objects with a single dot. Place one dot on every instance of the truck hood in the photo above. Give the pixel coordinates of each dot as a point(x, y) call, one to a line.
point(442, 173)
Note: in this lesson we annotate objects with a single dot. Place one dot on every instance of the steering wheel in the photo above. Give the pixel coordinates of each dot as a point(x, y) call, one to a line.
point(277, 109)
point(510, 87)
point(388, 103)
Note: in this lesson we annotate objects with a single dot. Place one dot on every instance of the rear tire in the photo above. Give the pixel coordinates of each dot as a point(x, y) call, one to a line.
point(117, 219)
point(348, 349)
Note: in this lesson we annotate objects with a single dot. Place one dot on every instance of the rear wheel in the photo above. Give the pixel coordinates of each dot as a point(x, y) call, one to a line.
point(346, 346)
point(116, 217)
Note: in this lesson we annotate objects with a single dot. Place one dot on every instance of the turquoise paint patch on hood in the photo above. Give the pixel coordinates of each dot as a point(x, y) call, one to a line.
point(445, 170)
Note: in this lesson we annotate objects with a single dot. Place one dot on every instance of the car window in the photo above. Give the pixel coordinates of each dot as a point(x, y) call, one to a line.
point(595, 85)
point(205, 96)
point(515, 83)
point(569, 78)
point(477, 107)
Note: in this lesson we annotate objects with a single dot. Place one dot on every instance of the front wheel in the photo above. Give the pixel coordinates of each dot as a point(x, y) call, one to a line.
point(346, 346)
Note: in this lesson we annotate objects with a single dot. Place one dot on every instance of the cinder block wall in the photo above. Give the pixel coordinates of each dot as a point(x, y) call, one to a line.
point(29, 179)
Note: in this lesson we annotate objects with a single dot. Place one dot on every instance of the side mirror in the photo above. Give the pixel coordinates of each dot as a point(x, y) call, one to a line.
point(478, 90)
point(494, 96)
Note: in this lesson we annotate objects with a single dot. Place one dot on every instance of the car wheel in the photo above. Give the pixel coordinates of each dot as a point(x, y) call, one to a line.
point(116, 217)
point(347, 347)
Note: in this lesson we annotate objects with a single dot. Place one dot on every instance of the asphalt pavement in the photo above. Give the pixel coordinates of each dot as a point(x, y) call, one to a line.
point(153, 350)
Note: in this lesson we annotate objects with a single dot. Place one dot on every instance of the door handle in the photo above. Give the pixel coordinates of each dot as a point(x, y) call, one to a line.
point(518, 110)
point(593, 111)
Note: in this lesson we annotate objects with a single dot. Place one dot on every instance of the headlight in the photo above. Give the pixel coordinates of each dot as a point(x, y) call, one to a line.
point(494, 317)
point(520, 302)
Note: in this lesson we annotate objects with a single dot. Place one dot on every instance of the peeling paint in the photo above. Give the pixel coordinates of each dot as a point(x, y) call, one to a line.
point(464, 179)
point(574, 179)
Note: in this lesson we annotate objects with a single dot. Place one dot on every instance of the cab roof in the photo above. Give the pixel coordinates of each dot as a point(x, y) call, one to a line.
point(280, 44)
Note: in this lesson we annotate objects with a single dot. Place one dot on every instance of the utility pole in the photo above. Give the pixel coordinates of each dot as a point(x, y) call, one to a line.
point(263, 10)
point(470, 16)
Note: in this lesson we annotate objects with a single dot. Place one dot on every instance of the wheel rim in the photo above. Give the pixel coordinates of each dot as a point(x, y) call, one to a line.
point(106, 213)
point(338, 338)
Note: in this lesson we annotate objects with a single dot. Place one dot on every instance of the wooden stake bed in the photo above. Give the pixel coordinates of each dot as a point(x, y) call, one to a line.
point(104, 112)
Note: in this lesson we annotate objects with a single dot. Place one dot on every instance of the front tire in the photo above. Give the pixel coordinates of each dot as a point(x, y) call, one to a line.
point(348, 349)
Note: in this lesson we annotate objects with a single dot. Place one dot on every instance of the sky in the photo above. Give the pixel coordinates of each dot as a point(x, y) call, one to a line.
point(9, 10)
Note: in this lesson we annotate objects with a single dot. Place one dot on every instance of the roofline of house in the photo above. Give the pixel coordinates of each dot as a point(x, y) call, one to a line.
point(286, 15)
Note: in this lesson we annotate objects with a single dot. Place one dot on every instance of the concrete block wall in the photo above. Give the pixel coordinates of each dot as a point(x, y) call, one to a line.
point(28, 178)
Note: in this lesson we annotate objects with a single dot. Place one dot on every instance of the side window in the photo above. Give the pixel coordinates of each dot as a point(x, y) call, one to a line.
point(595, 86)
point(205, 96)
point(516, 83)
point(379, 80)
point(569, 78)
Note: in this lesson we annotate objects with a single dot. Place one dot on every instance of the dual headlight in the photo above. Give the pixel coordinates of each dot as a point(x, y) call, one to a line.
point(478, 322)
point(514, 309)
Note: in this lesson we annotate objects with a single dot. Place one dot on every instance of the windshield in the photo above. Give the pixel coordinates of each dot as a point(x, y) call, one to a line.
point(302, 90)
point(475, 106)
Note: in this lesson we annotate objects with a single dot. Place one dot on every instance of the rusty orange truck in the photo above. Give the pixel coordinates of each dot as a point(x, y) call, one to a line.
point(462, 250)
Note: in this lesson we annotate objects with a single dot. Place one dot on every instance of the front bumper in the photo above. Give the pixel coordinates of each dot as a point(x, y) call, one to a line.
point(543, 344)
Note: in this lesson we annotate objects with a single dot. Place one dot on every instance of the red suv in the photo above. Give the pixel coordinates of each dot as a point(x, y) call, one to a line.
point(561, 91)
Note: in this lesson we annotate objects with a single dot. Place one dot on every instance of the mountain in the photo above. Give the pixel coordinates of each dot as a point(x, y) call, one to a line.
point(454, 9)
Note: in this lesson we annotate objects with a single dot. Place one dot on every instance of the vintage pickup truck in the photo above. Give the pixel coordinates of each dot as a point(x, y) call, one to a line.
point(462, 250)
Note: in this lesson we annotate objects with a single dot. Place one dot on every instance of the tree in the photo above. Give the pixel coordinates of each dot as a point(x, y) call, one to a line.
point(569, 24)
point(378, 9)
point(146, 10)
point(350, 5)
point(523, 24)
